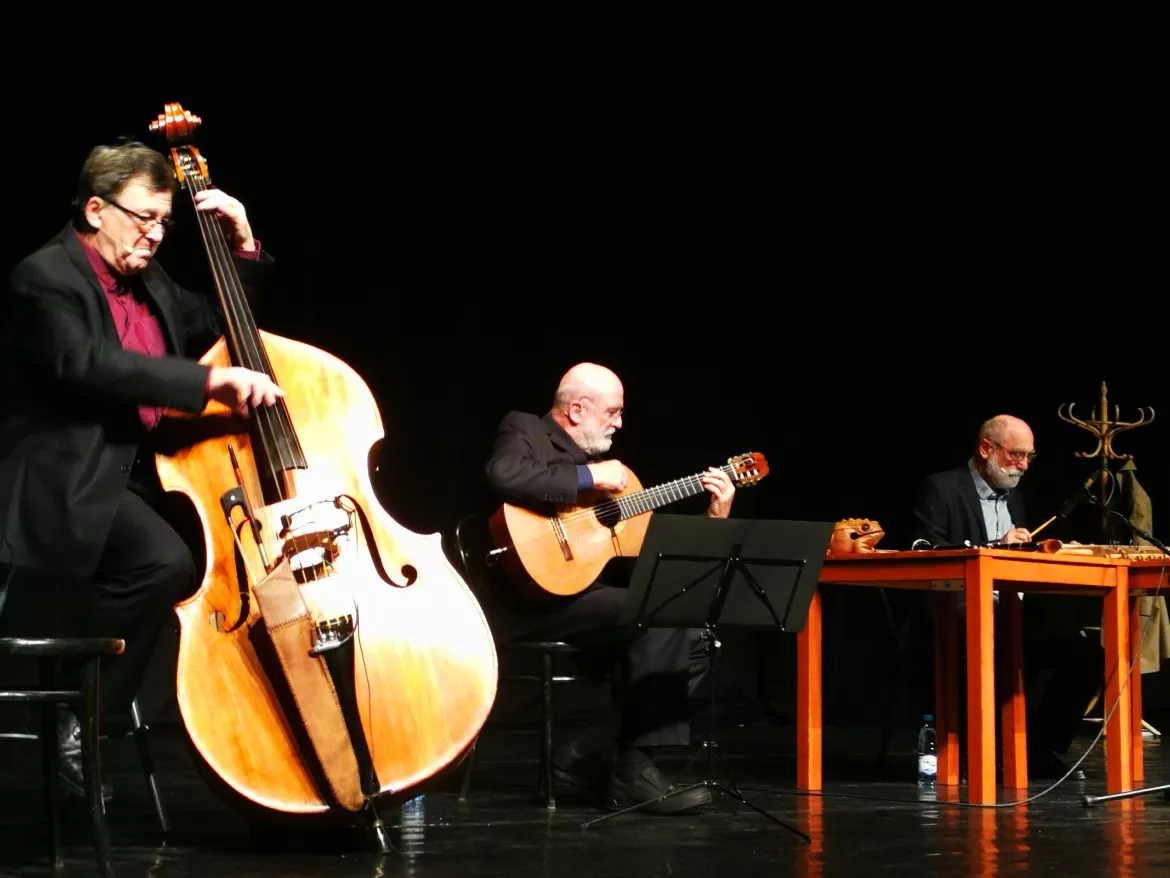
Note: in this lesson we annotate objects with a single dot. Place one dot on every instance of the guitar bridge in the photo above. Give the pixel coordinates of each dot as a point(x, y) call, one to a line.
point(558, 527)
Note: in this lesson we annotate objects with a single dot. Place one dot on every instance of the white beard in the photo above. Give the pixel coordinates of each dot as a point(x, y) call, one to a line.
point(594, 444)
point(1002, 478)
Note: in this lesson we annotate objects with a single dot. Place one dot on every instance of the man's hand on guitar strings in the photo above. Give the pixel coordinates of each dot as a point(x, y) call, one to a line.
point(609, 475)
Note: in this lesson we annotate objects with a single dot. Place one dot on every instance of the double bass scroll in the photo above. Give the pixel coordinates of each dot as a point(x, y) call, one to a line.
point(330, 657)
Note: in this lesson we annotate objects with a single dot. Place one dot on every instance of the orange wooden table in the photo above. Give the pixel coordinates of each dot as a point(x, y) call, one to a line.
point(1144, 578)
point(977, 572)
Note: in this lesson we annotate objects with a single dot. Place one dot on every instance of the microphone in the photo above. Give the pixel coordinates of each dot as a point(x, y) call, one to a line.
point(1075, 500)
point(126, 248)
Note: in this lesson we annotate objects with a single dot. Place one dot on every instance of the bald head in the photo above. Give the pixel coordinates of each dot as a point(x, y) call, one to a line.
point(586, 379)
point(1007, 430)
point(588, 405)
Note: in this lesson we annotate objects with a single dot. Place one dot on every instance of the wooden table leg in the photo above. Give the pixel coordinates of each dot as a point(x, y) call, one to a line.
point(1118, 731)
point(946, 685)
point(980, 682)
point(808, 699)
point(1137, 757)
point(1013, 712)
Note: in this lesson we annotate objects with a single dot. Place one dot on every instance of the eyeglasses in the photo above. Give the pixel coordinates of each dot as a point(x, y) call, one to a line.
point(611, 414)
point(145, 222)
point(1016, 456)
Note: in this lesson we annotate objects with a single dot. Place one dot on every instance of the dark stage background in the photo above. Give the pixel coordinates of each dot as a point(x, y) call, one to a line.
point(850, 290)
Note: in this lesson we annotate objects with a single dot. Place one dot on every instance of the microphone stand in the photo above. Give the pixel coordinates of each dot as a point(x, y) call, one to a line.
point(1086, 800)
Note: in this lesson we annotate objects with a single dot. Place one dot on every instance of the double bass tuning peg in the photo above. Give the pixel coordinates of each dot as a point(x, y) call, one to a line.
point(177, 124)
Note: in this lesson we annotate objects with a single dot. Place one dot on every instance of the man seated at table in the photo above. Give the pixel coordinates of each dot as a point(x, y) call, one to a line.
point(979, 503)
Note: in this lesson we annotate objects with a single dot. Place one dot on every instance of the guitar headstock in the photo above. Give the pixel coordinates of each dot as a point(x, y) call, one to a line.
point(747, 469)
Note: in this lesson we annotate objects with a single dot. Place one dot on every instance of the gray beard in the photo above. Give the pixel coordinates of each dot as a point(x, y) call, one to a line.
point(594, 444)
point(1003, 478)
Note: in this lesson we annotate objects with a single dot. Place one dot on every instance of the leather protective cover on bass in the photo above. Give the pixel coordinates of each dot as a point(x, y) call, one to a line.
point(292, 631)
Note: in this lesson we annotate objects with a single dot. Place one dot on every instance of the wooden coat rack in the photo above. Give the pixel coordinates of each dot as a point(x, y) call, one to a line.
point(1105, 430)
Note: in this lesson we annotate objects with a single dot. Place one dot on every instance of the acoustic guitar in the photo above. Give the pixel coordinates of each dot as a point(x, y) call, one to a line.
point(562, 554)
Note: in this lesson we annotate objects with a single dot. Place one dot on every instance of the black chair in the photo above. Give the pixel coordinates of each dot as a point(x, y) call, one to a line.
point(473, 550)
point(48, 651)
point(85, 701)
point(141, 732)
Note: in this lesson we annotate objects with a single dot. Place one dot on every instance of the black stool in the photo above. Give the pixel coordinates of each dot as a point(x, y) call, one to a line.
point(85, 701)
point(547, 649)
point(142, 743)
point(476, 557)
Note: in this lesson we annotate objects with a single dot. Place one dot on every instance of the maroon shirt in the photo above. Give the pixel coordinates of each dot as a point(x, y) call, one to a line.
point(138, 328)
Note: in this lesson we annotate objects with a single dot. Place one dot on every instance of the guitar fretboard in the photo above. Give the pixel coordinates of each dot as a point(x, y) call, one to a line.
point(651, 498)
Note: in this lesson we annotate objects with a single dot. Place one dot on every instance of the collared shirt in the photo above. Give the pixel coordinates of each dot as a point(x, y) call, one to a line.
point(995, 512)
point(994, 505)
point(138, 327)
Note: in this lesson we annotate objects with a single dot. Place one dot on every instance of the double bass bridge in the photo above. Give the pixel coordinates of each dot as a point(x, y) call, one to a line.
point(315, 536)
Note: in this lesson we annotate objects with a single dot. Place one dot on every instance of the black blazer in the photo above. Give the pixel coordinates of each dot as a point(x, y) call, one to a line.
point(947, 510)
point(69, 426)
point(533, 462)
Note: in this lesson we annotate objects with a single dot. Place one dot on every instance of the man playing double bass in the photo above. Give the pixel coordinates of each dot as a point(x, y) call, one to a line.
point(103, 341)
point(549, 459)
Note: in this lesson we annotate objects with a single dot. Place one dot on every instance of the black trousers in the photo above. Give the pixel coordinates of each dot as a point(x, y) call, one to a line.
point(145, 569)
point(659, 667)
point(1076, 666)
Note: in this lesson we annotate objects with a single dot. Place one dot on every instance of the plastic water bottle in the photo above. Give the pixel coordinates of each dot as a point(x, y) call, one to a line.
point(927, 753)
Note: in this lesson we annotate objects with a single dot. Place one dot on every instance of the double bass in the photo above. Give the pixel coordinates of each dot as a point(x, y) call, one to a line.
point(330, 659)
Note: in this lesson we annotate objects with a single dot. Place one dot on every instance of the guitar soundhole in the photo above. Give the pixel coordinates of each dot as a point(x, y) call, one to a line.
point(608, 514)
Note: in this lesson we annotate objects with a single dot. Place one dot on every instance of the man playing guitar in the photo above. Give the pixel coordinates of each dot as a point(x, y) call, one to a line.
point(542, 461)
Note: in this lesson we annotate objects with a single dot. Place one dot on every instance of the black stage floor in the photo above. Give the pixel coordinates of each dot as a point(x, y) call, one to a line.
point(871, 819)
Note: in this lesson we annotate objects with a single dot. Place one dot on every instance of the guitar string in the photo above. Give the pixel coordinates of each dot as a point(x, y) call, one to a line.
point(649, 498)
point(658, 491)
point(654, 494)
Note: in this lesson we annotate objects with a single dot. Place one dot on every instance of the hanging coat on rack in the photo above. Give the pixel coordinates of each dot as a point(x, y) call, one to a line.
point(1133, 502)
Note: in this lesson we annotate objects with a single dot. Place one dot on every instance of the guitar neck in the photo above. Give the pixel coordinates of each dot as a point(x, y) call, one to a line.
point(649, 499)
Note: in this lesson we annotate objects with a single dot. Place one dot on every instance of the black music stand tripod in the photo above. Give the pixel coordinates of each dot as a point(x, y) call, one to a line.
point(708, 572)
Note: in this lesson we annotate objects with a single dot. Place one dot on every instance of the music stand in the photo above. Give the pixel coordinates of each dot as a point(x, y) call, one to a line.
point(694, 571)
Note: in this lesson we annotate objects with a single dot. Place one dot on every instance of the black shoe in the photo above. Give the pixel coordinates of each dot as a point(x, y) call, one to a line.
point(649, 786)
point(69, 756)
point(585, 770)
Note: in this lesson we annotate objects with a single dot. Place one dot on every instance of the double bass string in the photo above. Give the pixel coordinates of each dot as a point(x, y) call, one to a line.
point(217, 246)
point(251, 334)
point(273, 426)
